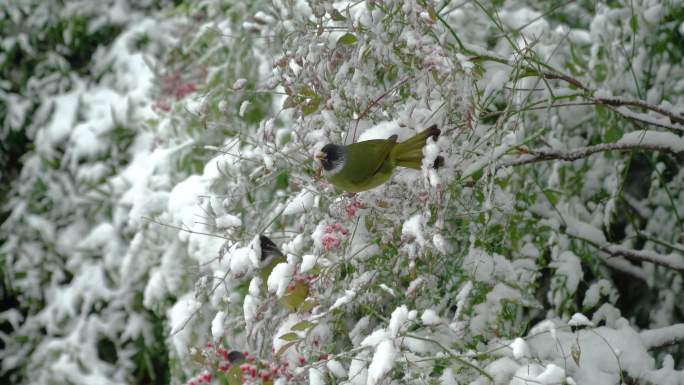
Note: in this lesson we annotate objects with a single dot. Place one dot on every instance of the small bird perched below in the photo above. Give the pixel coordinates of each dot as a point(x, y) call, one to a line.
point(271, 256)
point(363, 165)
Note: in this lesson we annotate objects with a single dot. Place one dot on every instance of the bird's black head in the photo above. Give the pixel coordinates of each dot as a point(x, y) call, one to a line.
point(236, 357)
point(332, 156)
point(268, 248)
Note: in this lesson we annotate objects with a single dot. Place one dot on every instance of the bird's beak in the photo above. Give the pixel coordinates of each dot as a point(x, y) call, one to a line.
point(320, 155)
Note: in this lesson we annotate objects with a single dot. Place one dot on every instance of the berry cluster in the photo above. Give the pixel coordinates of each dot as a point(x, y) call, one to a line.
point(331, 238)
point(219, 362)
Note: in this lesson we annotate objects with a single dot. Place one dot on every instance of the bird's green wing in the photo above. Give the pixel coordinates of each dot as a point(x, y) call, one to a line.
point(367, 158)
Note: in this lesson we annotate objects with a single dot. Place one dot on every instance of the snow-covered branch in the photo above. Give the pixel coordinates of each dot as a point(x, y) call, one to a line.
point(672, 261)
point(616, 102)
point(665, 336)
point(594, 236)
point(638, 140)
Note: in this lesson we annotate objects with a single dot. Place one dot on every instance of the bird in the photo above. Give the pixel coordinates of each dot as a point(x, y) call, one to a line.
point(235, 357)
point(364, 165)
point(271, 256)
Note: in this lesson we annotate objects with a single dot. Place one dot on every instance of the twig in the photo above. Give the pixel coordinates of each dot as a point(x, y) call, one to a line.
point(452, 355)
point(186, 229)
point(373, 104)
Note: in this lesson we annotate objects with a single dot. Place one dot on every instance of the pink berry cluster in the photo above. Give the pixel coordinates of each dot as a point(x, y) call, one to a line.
point(333, 233)
point(177, 85)
point(217, 360)
point(205, 377)
point(352, 208)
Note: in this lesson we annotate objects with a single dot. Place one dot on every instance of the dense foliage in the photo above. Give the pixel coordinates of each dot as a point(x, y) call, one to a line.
point(152, 145)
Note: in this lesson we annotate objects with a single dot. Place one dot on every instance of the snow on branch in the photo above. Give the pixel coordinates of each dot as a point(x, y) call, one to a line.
point(590, 234)
point(637, 140)
point(616, 102)
point(672, 261)
point(665, 336)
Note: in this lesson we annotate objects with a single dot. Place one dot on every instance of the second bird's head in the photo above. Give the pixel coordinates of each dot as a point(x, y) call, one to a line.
point(332, 157)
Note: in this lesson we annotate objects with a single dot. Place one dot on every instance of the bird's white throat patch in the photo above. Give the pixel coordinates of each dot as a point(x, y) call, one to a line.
point(337, 167)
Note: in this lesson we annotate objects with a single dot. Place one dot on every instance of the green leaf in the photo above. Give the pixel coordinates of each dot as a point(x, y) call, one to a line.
point(289, 102)
point(292, 337)
point(307, 305)
point(302, 325)
point(551, 196)
point(282, 181)
point(432, 13)
point(633, 23)
point(348, 39)
point(295, 297)
point(311, 100)
point(477, 174)
point(231, 377)
point(613, 133)
point(283, 349)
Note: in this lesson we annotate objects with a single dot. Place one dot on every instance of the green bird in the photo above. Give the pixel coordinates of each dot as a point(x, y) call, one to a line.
point(270, 257)
point(363, 165)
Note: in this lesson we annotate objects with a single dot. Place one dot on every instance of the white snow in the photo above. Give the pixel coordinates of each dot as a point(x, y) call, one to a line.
point(382, 363)
point(308, 262)
point(179, 315)
point(345, 299)
point(663, 336)
point(217, 327)
point(520, 348)
point(243, 108)
point(240, 260)
point(384, 130)
point(316, 377)
point(430, 318)
point(579, 319)
point(300, 204)
point(398, 319)
point(227, 221)
point(280, 278)
point(664, 140)
point(239, 84)
point(336, 368)
point(413, 228)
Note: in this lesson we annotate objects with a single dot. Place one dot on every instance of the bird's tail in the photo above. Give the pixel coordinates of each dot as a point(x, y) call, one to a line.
point(410, 152)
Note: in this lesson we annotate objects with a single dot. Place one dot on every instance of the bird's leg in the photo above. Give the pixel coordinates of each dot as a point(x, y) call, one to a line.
point(317, 174)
